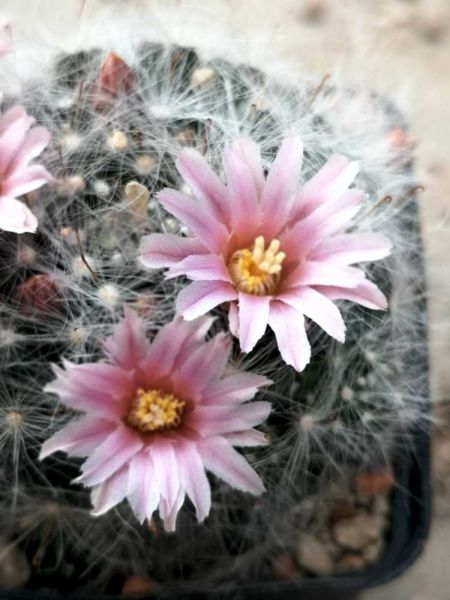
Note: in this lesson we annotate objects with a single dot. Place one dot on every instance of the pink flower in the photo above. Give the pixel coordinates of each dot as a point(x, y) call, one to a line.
point(20, 143)
point(275, 252)
point(5, 39)
point(156, 416)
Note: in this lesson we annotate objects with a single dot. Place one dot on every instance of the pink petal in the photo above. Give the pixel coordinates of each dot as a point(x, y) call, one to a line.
point(164, 249)
point(116, 451)
point(201, 296)
point(366, 293)
point(243, 187)
point(247, 151)
point(35, 142)
point(197, 217)
point(221, 458)
point(110, 492)
point(95, 390)
point(352, 248)
point(16, 217)
point(249, 438)
point(233, 319)
point(169, 513)
point(143, 491)
point(253, 317)
point(194, 480)
point(215, 419)
point(12, 137)
point(172, 345)
point(128, 345)
point(318, 273)
point(282, 182)
point(206, 364)
point(204, 183)
point(166, 470)
point(330, 182)
point(203, 267)
point(26, 180)
point(235, 388)
point(10, 116)
point(323, 222)
point(318, 308)
point(289, 328)
point(78, 438)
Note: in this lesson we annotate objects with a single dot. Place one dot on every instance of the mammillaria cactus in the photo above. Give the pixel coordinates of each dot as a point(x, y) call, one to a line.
point(265, 240)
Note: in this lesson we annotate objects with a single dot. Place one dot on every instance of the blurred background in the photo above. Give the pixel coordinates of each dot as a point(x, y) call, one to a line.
point(400, 48)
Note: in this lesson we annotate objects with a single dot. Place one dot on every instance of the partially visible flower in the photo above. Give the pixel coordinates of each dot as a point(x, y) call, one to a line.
point(20, 143)
point(6, 44)
point(156, 415)
point(276, 253)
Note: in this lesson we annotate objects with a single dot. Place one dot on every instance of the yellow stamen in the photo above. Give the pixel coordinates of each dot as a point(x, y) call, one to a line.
point(257, 271)
point(155, 410)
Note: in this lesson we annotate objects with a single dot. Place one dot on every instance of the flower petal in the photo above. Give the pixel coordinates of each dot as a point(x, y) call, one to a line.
point(35, 142)
point(322, 273)
point(16, 217)
point(164, 249)
point(79, 438)
point(166, 470)
point(366, 293)
point(215, 419)
point(26, 180)
point(235, 388)
point(110, 492)
point(317, 307)
point(201, 296)
point(204, 183)
point(203, 267)
point(243, 181)
point(221, 458)
point(197, 217)
point(203, 366)
point(194, 480)
point(289, 328)
point(249, 438)
point(282, 182)
point(330, 182)
point(142, 490)
point(233, 319)
point(352, 248)
point(128, 346)
point(117, 450)
point(253, 317)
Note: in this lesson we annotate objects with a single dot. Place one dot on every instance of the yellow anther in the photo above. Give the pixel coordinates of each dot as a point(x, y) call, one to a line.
point(155, 410)
point(257, 270)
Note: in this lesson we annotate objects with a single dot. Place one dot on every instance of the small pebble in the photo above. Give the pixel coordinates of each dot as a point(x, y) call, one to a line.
point(373, 551)
point(314, 556)
point(137, 196)
point(283, 567)
point(118, 141)
point(352, 562)
point(144, 165)
point(357, 532)
point(137, 585)
point(372, 483)
point(203, 76)
point(14, 568)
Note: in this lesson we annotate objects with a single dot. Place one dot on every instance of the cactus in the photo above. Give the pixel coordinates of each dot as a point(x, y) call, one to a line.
point(117, 129)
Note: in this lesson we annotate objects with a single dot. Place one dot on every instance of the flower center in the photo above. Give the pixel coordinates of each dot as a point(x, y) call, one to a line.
point(154, 410)
point(258, 270)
